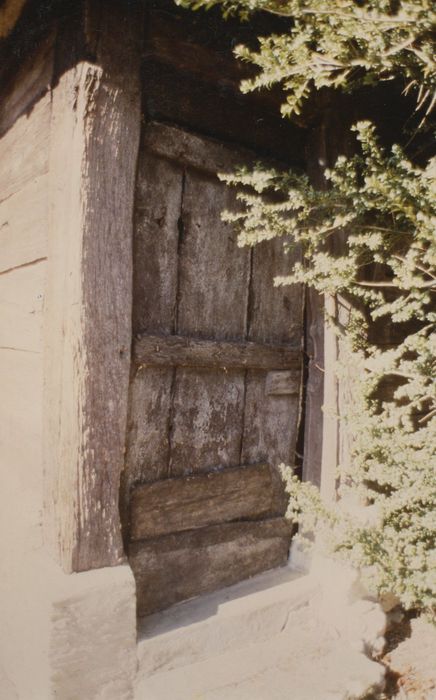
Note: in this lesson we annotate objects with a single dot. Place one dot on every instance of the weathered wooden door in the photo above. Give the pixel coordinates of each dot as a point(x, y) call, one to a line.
point(215, 388)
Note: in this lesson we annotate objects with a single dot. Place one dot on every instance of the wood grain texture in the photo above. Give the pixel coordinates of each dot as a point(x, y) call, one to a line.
point(155, 251)
point(147, 443)
point(183, 351)
point(206, 420)
point(189, 503)
point(95, 129)
point(195, 151)
point(24, 150)
point(313, 417)
point(176, 567)
point(213, 271)
point(275, 313)
point(270, 423)
point(21, 307)
point(23, 225)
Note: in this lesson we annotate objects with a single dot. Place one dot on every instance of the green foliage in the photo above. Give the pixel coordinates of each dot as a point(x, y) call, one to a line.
point(342, 43)
point(381, 206)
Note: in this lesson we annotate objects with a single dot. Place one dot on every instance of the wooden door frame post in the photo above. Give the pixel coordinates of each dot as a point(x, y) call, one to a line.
point(95, 133)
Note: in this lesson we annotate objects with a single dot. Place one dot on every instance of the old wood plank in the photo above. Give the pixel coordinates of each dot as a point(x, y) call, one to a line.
point(283, 383)
point(155, 277)
point(213, 271)
point(193, 150)
point(313, 417)
point(21, 307)
point(174, 505)
point(30, 82)
point(276, 313)
point(184, 351)
point(95, 129)
point(23, 225)
point(175, 567)
point(147, 441)
point(206, 421)
point(270, 423)
point(157, 216)
point(207, 410)
point(24, 149)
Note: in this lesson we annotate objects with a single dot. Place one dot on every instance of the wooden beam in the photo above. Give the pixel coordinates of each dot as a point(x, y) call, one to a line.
point(188, 503)
point(94, 142)
point(176, 567)
point(198, 152)
point(181, 351)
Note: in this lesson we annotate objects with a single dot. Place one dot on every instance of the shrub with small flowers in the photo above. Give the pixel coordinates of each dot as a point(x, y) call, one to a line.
point(385, 201)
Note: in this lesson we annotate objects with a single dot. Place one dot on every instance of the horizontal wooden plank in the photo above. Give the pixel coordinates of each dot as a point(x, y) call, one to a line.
point(181, 351)
point(174, 505)
point(24, 149)
point(196, 151)
point(21, 305)
point(23, 225)
point(177, 567)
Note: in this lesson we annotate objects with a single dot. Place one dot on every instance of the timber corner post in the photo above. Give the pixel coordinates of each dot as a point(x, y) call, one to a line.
point(94, 140)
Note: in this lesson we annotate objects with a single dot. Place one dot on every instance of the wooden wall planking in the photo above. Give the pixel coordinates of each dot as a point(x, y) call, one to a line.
point(21, 307)
point(24, 149)
point(23, 225)
point(24, 129)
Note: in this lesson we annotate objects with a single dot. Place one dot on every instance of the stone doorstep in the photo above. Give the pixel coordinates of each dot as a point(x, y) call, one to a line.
point(268, 638)
point(227, 620)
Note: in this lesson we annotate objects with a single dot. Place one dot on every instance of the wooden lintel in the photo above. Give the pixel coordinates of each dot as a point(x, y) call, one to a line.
point(180, 351)
point(197, 152)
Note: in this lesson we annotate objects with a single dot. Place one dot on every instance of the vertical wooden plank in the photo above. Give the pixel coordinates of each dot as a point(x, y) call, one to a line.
point(271, 423)
point(275, 315)
point(207, 420)
point(158, 204)
point(315, 330)
point(313, 417)
point(95, 130)
point(214, 272)
point(157, 219)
